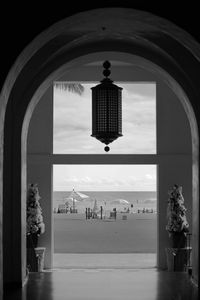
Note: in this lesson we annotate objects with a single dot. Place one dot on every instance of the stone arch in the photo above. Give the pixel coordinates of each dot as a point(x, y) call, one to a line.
point(112, 29)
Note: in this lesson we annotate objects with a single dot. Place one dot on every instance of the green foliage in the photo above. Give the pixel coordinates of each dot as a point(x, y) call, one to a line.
point(70, 87)
point(176, 211)
point(34, 216)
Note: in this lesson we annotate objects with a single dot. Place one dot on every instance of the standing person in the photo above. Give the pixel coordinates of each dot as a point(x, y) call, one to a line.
point(101, 211)
point(105, 209)
point(86, 213)
point(131, 208)
point(115, 213)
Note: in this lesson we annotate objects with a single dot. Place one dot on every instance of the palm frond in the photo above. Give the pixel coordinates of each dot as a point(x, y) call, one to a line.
point(77, 88)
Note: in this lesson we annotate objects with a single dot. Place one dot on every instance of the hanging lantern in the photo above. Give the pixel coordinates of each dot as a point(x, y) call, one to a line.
point(106, 109)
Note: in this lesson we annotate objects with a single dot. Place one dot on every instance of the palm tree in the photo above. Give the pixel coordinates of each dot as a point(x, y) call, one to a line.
point(77, 88)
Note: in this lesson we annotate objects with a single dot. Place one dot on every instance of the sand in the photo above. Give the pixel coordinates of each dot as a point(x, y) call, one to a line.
point(74, 234)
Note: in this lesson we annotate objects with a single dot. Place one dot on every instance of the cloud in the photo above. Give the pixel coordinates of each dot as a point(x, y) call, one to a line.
point(104, 177)
point(139, 91)
point(150, 177)
point(107, 183)
point(95, 182)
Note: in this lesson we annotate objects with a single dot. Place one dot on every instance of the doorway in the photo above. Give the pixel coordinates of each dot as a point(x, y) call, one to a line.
point(105, 215)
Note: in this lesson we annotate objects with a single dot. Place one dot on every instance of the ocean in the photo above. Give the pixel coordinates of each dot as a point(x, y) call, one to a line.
point(136, 200)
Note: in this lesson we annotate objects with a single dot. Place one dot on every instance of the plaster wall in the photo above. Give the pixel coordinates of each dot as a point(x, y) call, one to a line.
point(173, 149)
point(175, 160)
point(40, 141)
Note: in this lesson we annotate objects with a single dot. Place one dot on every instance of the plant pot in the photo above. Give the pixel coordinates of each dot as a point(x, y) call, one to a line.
point(34, 239)
point(178, 240)
point(177, 259)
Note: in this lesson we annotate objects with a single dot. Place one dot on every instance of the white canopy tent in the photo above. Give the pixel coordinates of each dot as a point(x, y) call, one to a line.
point(76, 197)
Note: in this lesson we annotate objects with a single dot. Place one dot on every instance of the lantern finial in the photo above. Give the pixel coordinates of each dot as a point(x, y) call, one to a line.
point(106, 66)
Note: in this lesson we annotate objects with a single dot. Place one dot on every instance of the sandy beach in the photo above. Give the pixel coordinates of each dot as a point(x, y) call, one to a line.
point(74, 234)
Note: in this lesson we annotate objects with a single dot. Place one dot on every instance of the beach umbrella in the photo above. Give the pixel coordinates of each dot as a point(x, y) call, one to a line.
point(120, 201)
point(70, 199)
point(76, 196)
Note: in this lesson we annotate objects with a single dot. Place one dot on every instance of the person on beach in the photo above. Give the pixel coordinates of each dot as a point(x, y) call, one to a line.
point(86, 213)
point(115, 213)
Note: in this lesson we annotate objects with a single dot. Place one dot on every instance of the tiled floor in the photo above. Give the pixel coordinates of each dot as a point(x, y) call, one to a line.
point(105, 277)
point(106, 284)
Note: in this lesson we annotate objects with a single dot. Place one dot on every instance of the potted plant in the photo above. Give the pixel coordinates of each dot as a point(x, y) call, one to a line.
point(177, 225)
point(35, 224)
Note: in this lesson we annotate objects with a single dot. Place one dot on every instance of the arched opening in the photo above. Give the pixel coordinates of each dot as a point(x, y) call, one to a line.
point(23, 90)
point(172, 152)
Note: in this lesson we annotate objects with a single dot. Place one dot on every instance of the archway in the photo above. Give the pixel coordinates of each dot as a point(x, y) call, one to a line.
point(155, 39)
point(167, 157)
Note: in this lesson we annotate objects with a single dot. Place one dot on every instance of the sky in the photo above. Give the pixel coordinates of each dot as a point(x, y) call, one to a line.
point(72, 135)
point(104, 177)
point(73, 122)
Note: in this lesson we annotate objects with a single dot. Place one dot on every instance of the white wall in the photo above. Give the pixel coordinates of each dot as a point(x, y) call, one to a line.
point(175, 160)
point(39, 168)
